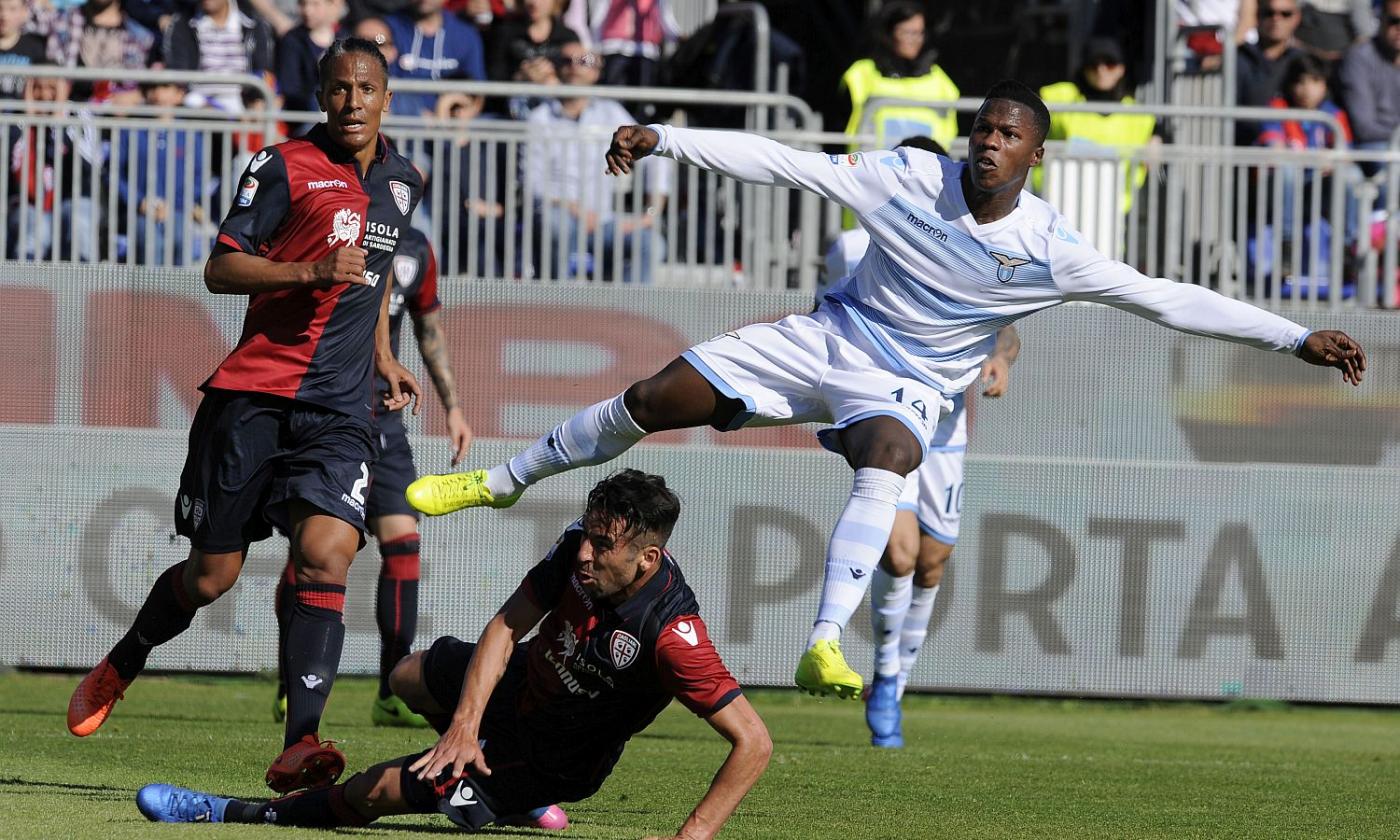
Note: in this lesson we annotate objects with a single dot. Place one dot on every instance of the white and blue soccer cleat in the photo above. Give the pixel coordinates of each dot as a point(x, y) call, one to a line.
point(882, 713)
point(168, 803)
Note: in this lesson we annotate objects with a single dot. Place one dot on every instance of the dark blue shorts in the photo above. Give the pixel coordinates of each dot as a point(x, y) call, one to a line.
point(393, 471)
point(517, 783)
point(251, 454)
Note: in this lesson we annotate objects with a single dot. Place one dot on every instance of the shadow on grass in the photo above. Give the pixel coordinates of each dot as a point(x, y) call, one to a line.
point(16, 786)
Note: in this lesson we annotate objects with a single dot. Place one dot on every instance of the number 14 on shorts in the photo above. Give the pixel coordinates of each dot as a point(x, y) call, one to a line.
point(917, 405)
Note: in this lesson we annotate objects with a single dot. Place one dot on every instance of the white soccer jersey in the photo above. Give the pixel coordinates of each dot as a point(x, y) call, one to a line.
point(935, 286)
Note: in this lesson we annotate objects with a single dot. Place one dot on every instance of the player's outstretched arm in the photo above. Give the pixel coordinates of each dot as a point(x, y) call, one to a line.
point(458, 748)
point(862, 182)
point(751, 747)
point(229, 271)
point(1081, 273)
point(432, 346)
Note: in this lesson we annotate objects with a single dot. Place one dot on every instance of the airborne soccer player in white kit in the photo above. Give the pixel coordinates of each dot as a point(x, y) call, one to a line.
point(958, 251)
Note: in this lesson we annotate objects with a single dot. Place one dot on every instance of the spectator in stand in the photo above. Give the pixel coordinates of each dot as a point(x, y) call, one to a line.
point(433, 45)
point(481, 188)
point(525, 45)
point(1305, 86)
point(300, 49)
point(219, 38)
point(1263, 63)
point(1205, 24)
point(160, 206)
point(17, 47)
point(571, 193)
point(156, 15)
point(99, 34)
point(630, 36)
point(1102, 78)
point(900, 66)
point(1329, 27)
point(1370, 76)
point(482, 13)
point(53, 213)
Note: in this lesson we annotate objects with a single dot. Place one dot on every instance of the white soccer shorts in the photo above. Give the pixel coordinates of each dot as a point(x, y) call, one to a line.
point(807, 369)
point(934, 493)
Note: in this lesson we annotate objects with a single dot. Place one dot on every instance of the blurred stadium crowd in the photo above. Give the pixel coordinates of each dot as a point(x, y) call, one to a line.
point(141, 190)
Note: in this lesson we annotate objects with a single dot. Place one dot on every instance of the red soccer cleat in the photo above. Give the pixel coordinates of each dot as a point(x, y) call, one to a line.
point(309, 763)
point(93, 699)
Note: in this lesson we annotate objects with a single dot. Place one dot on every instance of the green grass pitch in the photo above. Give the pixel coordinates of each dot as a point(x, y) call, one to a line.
point(973, 767)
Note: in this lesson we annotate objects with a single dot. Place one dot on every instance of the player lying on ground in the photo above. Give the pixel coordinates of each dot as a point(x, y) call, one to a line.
point(905, 584)
point(958, 251)
point(527, 725)
point(388, 515)
point(282, 436)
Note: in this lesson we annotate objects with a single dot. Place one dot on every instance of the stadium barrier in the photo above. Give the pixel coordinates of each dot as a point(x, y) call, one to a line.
point(1268, 225)
point(1146, 513)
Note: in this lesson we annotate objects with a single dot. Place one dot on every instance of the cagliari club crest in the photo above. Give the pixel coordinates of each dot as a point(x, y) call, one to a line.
point(399, 190)
point(405, 269)
point(623, 648)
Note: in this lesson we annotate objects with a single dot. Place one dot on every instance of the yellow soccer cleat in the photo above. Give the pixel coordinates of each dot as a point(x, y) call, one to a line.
point(822, 670)
point(439, 494)
point(391, 711)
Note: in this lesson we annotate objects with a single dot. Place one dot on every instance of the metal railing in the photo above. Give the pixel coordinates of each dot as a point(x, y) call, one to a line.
point(1265, 224)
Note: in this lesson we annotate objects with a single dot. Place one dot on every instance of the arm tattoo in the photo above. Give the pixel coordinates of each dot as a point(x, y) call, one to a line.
point(428, 331)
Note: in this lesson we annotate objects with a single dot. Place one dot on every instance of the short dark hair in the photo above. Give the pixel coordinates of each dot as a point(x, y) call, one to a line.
point(641, 502)
point(1014, 91)
point(919, 141)
point(346, 46)
point(1304, 64)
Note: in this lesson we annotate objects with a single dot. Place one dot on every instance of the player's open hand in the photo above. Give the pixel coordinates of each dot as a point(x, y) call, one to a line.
point(630, 143)
point(403, 388)
point(456, 751)
point(1334, 348)
point(996, 376)
point(343, 265)
point(460, 433)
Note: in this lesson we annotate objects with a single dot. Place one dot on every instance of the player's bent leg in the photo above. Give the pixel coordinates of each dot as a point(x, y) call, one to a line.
point(677, 397)
point(395, 611)
point(167, 612)
point(883, 451)
point(408, 683)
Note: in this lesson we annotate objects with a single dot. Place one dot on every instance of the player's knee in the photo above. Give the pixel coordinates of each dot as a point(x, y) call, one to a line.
point(376, 791)
point(406, 680)
point(932, 562)
point(898, 559)
point(208, 585)
point(322, 563)
point(642, 400)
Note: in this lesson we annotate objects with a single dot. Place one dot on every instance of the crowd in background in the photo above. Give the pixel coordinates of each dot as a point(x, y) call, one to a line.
point(1337, 56)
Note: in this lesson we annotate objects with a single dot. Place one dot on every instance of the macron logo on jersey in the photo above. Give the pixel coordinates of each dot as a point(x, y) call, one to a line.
point(687, 631)
point(332, 182)
point(345, 227)
point(258, 160)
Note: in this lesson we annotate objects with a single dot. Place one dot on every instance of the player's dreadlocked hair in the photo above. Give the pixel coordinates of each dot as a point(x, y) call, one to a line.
point(346, 46)
point(642, 502)
point(1014, 91)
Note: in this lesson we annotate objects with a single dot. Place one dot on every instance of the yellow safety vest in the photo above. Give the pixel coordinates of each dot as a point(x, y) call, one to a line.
point(895, 122)
point(1120, 132)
